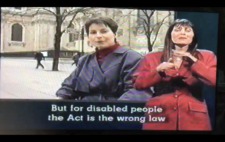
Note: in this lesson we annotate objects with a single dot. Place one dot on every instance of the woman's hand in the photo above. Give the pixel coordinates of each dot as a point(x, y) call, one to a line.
point(134, 77)
point(184, 54)
point(165, 66)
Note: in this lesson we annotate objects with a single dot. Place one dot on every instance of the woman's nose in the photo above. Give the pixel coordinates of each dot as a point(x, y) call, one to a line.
point(99, 35)
point(183, 31)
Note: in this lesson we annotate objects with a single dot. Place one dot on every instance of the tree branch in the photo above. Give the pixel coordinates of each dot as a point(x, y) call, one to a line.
point(50, 11)
point(152, 12)
point(145, 13)
point(128, 15)
point(74, 12)
point(146, 30)
point(71, 21)
point(32, 12)
point(148, 21)
point(64, 11)
point(151, 26)
point(16, 12)
point(36, 12)
point(145, 22)
point(70, 12)
point(160, 25)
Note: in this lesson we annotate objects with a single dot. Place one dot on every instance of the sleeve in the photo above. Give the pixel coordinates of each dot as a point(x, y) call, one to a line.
point(131, 94)
point(206, 70)
point(146, 74)
point(66, 91)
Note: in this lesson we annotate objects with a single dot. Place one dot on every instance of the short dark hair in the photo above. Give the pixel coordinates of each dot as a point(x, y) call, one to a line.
point(168, 43)
point(102, 20)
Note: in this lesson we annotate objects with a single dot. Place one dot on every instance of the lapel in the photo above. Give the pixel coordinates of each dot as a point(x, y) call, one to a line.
point(98, 74)
point(113, 58)
point(94, 63)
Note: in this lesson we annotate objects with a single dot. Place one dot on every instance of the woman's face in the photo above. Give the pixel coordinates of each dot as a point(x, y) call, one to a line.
point(101, 36)
point(182, 35)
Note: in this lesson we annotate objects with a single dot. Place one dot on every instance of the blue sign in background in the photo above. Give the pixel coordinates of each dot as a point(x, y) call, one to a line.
point(206, 25)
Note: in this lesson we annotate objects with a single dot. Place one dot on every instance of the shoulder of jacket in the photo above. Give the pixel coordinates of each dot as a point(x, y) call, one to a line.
point(128, 50)
point(205, 51)
point(133, 52)
point(84, 57)
point(155, 53)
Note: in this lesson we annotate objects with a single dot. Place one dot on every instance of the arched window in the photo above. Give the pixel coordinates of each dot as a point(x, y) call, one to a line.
point(71, 34)
point(17, 32)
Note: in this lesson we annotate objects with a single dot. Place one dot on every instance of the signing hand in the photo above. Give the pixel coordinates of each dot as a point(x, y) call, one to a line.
point(134, 77)
point(166, 66)
point(184, 54)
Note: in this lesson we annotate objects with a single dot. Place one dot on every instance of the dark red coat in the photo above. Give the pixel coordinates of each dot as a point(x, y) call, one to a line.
point(178, 92)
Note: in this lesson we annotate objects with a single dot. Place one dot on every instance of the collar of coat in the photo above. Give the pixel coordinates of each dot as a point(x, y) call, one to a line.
point(121, 50)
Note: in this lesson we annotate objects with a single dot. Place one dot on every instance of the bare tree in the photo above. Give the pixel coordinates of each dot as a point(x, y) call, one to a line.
point(151, 29)
point(60, 17)
point(117, 14)
point(122, 17)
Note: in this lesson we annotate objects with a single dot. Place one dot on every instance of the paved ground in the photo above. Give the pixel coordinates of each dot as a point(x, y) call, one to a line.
point(20, 79)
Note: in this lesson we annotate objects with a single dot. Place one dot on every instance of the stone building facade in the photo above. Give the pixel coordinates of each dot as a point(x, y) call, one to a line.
point(24, 29)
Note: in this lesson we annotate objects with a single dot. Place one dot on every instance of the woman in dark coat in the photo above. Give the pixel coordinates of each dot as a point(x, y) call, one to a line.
point(106, 73)
point(178, 74)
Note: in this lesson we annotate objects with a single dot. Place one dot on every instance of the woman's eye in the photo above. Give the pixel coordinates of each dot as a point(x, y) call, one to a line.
point(188, 30)
point(177, 29)
point(92, 32)
point(104, 31)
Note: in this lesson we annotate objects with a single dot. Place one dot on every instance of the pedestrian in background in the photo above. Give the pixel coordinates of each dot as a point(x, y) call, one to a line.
point(75, 58)
point(39, 56)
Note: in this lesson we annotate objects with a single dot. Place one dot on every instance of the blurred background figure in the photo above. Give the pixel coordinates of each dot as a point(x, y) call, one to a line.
point(39, 56)
point(75, 58)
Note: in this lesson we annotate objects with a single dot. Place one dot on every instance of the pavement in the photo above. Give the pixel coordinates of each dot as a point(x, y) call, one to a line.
point(21, 80)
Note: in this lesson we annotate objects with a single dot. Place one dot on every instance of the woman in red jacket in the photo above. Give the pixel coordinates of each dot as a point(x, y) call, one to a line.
point(178, 74)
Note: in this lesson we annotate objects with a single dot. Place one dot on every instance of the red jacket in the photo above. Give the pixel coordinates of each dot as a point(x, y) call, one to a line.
point(178, 92)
